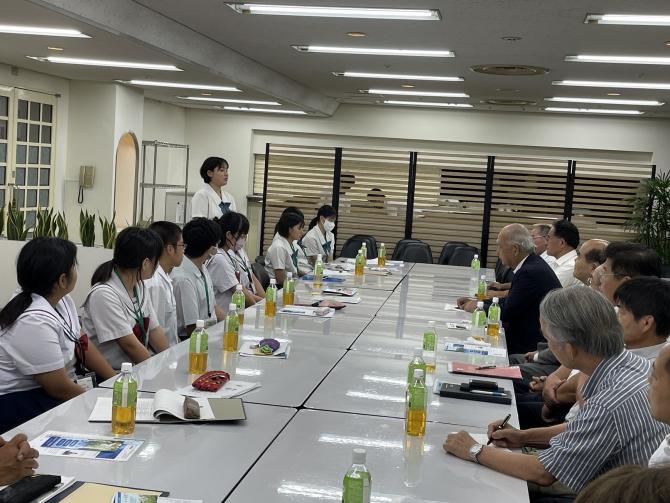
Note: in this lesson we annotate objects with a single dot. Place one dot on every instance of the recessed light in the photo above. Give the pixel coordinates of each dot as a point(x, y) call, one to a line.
point(397, 76)
point(628, 19)
point(205, 94)
point(374, 51)
point(105, 62)
point(55, 48)
point(417, 93)
point(179, 85)
point(622, 85)
point(645, 103)
point(594, 111)
point(323, 11)
point(668, 43)
point(265, 110)
point(407, 86)
point(38, 30)
point(357, 34)
point(613, 94)
point(631, 60)
point(427, 104)
point(231, 100)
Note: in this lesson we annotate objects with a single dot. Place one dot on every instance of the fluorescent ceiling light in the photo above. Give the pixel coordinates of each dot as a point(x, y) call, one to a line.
point(374, 51)
point(265, 110)
point(106, 62)
point(620, 85)
point(397, 76)
point(593, 111)
point(427, 104)
point(604, 101)
point(322, 11)
point(631, 60)
point(36, 30)
point(179, 85)
point(230, 100)
point(628, 19)
point(417, 93)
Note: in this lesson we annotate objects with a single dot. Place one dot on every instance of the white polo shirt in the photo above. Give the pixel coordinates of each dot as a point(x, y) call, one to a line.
point(223, 269)
point(207, 203)
point(316, 243)
point(194, 294)
point(109, 313)
point(564, 267)
point(281, 255)
point(547, 258)
point(41, 340)
point(161, 292)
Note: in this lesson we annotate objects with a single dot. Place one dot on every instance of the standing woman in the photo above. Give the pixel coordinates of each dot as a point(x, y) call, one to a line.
point(231, 265)
point(212, 201)
point(320, 238)
point(117, 313)
point(282, 256)
point(42, 351)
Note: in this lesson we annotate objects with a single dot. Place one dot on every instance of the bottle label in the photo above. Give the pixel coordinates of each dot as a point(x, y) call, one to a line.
point(271, 295)
point(417, 397)
point(429, 341)
point(494, 314)
point(125, 392)
point(355, 490)
point(478, 318)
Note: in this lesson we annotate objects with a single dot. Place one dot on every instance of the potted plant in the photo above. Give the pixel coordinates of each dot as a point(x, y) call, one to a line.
point(650, 219)
point(16, 227)
point(44, 224)
point(108, 231)
point(87, 228)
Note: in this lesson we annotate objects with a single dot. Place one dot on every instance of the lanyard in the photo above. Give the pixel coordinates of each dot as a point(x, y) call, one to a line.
point(137, 312)
point(204, 280)
point(294, 256)
point(239, 261)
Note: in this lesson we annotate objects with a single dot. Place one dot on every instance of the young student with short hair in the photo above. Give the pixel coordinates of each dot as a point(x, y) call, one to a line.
point(320, 239)
point(193, 287)
point(282, 256)
point(42, 351)
point(160, 286)
point(212, 201)
point(118, 314)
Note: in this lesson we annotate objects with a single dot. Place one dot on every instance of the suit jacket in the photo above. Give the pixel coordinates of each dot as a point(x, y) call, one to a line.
point(520, 310)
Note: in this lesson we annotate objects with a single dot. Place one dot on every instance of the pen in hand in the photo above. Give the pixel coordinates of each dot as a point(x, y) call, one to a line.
point(501, 426)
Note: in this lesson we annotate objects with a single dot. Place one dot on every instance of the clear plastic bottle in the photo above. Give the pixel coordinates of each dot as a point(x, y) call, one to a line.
point(493, 321)
point(474, 276)
point(360, 263)
point(318, 271)
point(481, 288)
point(124, 401)
point(479, 321)
point(240, 301)
point(271, 299)
point(381, 255)
point(415, 405)
point(430, 347)
point(357, 483)
point(197, 351)
point(231, 333)
point(288, 290)
point(416, 363)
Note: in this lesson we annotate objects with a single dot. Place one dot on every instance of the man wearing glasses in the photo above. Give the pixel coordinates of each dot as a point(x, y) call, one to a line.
point(540, 235)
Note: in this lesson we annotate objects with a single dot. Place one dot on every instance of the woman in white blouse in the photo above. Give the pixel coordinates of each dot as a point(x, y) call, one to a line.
point(212, 201)
point(282, 256)
point(320, 239)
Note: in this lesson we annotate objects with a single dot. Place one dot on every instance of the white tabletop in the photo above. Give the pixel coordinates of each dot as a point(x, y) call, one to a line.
point(370, 300)
point(190, 461)
point(308, 461)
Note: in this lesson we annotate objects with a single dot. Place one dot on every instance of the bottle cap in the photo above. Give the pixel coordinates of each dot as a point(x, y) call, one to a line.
point(495, 300)
point(418, 351)
point(476, 256)
point(319, 257)
point(358, 456)
point(126, 367)
point(232, 308)
point(483, 276)
point(480, 304)
point(289, 275)
point(273, 281)
point(383, 245)
point(431, 323)
point(418, 373)
point(200, 324)
point(239, 287)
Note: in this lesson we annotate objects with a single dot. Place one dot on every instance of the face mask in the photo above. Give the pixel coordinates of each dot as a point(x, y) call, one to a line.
point(240, 244)
point(329, 225)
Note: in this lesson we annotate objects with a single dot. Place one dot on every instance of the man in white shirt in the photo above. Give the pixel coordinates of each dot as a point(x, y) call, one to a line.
point(211, 200)
point(540, 233)
point(562, 241)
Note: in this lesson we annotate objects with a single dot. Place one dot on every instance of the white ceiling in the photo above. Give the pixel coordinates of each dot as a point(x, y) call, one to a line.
point(550, 30)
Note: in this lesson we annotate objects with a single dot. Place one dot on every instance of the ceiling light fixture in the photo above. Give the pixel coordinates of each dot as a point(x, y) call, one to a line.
point(593, 111)
point(436, 94)
point(105, 62)
point(628, 19)
point(37, 30)
point(323, 11)
point(357, 34)
point(427, 104)
point(397, 76)
point(612, 85)
point(265, 110)
point(374, 51)
point(55, 48)
point(408, 86)
point(603, 101)
point(231, 100)
point(630, 60)
point(613, 94)
point(179, 85)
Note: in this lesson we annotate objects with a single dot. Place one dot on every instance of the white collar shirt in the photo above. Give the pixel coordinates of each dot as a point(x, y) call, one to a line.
point(162, 296)
point(564, 267)
point(207, 203)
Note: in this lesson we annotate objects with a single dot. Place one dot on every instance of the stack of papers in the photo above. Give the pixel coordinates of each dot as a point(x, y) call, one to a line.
point(250, 348)
point(124, 497)
point(460, 347)
point(71, 445)
point(229, 390)
point(322, 312)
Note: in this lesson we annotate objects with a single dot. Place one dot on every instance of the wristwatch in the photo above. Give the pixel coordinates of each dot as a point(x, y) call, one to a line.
point(475, 451)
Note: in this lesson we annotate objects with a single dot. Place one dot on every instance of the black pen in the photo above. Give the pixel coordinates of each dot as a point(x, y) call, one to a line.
point(500, 427)
point(485, 367)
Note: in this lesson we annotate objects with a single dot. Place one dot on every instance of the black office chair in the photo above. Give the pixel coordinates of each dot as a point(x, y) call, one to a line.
point(448, 250)
point(504, 274)
point(261, 274)
point(400, 246)
point(261, 260)
point(355, 243)
point(419, 253)
point(462, 256)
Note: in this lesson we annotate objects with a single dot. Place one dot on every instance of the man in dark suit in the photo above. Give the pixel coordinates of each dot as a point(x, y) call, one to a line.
point(533, 279)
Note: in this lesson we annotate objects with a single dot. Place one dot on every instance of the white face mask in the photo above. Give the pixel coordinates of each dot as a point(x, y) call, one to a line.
point(329, 225)
point(239, 244)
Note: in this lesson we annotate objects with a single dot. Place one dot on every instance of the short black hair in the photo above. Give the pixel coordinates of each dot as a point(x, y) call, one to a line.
point(200, 234)
point(647, 296)
point(567, 231)
point(633, 259)
point(233, 222)
point(287, 221)
point(210, 164)
point(168, 231)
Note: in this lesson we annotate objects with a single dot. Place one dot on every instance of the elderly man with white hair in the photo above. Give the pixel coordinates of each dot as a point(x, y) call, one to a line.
point(533, 279)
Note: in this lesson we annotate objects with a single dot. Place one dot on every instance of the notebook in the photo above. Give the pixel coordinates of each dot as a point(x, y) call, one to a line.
point(474, 370)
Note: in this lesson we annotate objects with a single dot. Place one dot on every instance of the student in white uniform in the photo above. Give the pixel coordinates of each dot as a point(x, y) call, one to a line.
point(212, 201)
point(282, 256)
point(192, 283)
point(320, 239)
point(117, 313)
point(42, 351)
point(230, 266)
point(160, 286)
point(304, 266)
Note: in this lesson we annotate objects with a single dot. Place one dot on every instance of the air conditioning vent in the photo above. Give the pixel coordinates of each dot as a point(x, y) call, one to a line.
point(509, 70)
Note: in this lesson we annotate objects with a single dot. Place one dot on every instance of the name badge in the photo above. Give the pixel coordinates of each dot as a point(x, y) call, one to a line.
point(87, 382)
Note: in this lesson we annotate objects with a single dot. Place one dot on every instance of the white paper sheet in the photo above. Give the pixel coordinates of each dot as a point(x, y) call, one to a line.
point(72, 445)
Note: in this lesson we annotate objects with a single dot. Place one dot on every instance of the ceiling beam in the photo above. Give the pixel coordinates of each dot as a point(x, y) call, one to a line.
point(135, 22)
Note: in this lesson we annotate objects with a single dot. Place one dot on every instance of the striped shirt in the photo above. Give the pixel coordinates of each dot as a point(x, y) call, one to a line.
point(614, 427)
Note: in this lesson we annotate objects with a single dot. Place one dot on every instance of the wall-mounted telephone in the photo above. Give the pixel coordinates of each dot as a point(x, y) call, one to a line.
point(86, 179)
